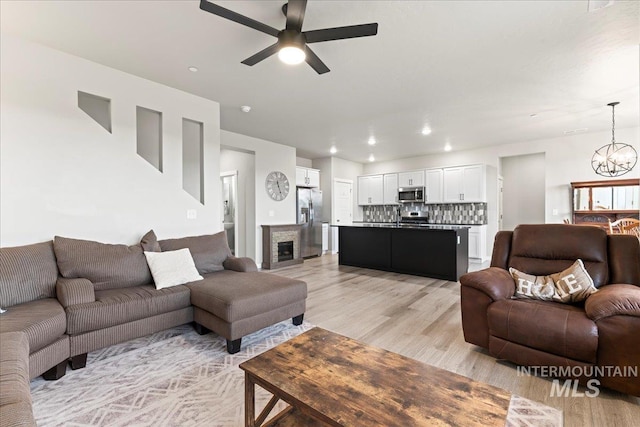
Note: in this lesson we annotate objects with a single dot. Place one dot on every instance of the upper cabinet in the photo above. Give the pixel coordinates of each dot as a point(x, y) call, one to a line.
point(306, 177)
point(370, 190)
point(461, 184)
point(433, 186)
point(390, 191)
point(465, 184)
point(606, 200)
point(411, 179)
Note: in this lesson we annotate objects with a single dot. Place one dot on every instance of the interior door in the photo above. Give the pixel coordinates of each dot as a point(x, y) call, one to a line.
point(342, 202)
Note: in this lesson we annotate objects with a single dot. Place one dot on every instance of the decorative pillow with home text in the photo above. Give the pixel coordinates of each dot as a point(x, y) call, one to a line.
point(571, 285)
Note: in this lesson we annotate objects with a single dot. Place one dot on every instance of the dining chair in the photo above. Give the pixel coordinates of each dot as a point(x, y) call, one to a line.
point(625, 226)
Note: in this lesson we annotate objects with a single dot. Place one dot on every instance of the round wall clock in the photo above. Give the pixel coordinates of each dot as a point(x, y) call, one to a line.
point(277, 185)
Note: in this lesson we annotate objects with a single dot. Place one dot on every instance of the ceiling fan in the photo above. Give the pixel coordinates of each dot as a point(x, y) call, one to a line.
point(292, 41)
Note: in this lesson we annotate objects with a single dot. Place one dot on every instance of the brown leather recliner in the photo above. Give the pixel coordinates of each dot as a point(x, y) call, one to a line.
point(602, 332)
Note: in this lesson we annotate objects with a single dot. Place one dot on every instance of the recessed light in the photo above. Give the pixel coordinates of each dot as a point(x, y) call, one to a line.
point(533, 115)
point(333, 150)
point(372, 141)
point(193, 69)
point(426, 130)
point(371, 158)
point(245, 108)
point(447, 147)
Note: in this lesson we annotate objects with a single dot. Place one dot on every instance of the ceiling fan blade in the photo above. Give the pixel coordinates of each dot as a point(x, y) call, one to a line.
point(315, 62)
point(295, 14)
point(263, 54)
point(236, 17)
point(340, 33)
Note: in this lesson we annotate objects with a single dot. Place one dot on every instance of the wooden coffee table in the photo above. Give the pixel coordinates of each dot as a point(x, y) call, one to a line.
point(329, 379)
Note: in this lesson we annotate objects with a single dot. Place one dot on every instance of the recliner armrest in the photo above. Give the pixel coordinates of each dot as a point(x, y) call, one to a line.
point(74, 291)
point(613, 300)
point(496, 282)
point(242, 264)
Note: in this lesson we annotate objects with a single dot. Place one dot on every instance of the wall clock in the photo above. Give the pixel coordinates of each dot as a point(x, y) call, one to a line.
point(277, 185)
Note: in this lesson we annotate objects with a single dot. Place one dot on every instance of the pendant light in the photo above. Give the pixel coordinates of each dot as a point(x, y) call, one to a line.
point(614, 159)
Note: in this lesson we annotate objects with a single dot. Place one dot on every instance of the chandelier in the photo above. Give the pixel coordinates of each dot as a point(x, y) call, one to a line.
point(614, 159)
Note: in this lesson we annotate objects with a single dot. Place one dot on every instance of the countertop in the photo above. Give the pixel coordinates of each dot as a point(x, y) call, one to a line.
point(404, 226)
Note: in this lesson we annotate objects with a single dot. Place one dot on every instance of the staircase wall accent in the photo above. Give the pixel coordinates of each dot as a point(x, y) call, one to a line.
point(96, 107)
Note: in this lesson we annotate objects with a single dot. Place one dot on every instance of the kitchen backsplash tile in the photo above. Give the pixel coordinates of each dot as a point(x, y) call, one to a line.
point(449, 213)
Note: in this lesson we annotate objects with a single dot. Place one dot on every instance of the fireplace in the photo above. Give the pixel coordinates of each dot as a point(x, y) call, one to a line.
point(280, 245)
point(285, 251)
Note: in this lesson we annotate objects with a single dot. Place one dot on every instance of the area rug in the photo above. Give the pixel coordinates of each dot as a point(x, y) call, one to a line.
point(179, 378)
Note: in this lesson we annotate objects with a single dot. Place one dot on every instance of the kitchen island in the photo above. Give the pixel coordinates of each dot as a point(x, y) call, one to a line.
point(437, 251)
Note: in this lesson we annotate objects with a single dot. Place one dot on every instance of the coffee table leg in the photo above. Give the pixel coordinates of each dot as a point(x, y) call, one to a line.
point(249, 401)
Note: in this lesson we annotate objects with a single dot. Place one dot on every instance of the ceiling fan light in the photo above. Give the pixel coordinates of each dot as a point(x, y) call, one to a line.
point(291, 55)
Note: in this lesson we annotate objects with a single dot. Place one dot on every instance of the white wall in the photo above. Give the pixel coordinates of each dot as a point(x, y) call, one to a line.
point(305, 163)
point(567, 159)
point(335, 168)
point(324, 165)
point(63, 174)
point(269, 157)
point(524, 189)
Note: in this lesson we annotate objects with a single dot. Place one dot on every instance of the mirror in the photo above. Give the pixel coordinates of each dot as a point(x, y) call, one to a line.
point(602, 198)
point(581, 199)
point(626, 198)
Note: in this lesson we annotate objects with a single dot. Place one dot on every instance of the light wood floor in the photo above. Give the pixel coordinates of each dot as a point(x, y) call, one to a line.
point(420, 318)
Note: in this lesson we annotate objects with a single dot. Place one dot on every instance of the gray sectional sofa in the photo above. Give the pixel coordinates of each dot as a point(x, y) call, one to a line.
point(68, 297)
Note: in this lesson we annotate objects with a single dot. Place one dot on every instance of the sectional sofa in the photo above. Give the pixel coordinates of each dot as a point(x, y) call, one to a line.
point(67, 297)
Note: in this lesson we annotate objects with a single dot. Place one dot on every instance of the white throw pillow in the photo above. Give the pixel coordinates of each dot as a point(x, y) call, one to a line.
point(172, 268)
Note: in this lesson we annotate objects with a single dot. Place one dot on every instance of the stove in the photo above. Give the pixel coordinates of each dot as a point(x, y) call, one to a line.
point(414, 218)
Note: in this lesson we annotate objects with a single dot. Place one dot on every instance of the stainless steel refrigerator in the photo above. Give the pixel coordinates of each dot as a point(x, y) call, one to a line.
point(309, 214)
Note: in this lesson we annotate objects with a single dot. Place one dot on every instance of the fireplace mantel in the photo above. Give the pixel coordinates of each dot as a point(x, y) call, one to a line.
point(279, 233)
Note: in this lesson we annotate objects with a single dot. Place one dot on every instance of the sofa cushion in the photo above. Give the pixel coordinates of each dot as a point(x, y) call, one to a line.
point(117, 306)
point(172, 268)
point(208, 251)
point(43, 321)
point(27, 273)
point(106, 266)
point(233, 296)
point(560, 329)
point(543, 249)
point(149, 242)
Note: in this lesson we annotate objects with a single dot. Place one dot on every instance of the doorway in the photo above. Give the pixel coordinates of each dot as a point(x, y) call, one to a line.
point(242, 164)
point(229, 214)
point(524, 187)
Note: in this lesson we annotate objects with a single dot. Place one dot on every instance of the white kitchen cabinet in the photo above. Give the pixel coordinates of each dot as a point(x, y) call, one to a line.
point(465, 184)
point(370, 190)
point(306, 177)
point(433, 185)
point(478, 242)
point(411, 179)
point(390, 190)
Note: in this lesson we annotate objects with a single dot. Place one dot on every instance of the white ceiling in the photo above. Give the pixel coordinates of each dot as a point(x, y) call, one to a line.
point(473, 71)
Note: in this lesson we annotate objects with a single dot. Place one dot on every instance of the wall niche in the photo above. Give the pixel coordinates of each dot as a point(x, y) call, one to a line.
point(149, 136)
point(96, 107)
point(193, 159)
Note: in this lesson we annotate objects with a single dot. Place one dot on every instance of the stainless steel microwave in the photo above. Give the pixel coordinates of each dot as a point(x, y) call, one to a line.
point(410, 194)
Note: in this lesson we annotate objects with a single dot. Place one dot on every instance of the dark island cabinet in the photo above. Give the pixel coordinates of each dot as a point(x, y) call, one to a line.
point(441, 253)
